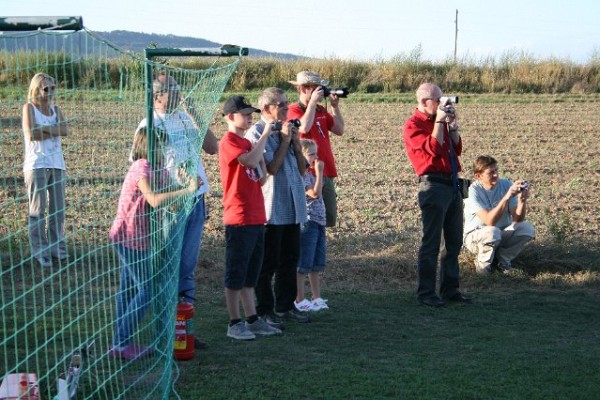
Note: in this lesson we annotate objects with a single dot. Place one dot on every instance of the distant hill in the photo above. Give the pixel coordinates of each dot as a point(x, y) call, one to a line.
point(131, 41)
point(135, 41)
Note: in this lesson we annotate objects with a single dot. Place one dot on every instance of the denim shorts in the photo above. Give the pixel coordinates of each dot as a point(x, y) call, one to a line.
point(244, 250)
point(313, 248)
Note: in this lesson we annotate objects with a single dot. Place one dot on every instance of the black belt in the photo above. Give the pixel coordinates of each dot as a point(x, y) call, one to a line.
point(437, 178)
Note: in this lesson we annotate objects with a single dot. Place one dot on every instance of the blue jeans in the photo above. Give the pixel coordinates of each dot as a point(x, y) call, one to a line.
point(192, 229)
point(313, 248)
point(442, 217)
point(134, 294)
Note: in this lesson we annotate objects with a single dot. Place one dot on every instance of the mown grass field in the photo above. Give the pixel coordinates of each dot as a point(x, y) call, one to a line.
point(533, 335)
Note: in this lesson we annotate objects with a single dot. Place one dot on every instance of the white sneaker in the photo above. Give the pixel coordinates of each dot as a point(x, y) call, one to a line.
point(319, 304)
point(304, 306)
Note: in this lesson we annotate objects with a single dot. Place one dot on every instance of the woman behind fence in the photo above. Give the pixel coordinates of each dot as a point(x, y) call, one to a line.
point(44, 170)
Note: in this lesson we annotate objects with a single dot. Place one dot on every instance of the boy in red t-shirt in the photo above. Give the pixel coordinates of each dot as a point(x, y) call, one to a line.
point(243, 171)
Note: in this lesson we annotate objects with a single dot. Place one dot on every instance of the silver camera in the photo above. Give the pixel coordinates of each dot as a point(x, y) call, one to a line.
point(447, 105)
point(525, 186)
point(448, 100)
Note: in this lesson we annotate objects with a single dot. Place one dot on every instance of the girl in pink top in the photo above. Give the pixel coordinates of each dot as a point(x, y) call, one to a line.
point(130, 234)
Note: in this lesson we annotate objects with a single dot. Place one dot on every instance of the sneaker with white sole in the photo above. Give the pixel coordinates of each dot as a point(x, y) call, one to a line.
point(304, 306)
point(294, 314)
point(506, 268)
point(44, 261)
point(240, 332)
point(260, 327)
point(60, 255)
point(272, 319)
point(320, 304)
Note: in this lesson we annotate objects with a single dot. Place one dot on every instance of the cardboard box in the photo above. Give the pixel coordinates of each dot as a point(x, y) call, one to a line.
point(20, 384)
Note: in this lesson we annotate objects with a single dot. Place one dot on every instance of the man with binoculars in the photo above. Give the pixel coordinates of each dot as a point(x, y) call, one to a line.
point(316, 123)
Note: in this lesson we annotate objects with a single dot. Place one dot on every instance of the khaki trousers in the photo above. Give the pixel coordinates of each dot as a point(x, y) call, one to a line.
point(490, 242)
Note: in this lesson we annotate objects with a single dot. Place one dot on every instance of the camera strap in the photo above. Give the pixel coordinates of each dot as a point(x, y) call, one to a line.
point(453, 158)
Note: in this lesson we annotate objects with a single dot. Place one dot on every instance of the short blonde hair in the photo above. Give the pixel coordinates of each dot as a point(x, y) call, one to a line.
point(308, 144)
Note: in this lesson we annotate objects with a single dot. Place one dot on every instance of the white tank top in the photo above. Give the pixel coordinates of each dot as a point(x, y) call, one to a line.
point(45, 153)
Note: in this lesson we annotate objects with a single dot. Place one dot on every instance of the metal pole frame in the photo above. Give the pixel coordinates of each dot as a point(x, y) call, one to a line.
point(14, 24)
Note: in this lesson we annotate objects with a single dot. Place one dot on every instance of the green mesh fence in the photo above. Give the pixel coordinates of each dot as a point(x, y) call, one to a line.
point(58, 322)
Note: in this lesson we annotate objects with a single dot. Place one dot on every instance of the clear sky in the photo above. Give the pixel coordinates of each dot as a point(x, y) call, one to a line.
point(353, 29)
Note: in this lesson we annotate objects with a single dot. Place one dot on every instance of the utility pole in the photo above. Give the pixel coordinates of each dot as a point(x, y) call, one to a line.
point(455, 35)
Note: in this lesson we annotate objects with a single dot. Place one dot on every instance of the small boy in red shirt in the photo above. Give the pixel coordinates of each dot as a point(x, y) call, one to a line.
point(243, 171)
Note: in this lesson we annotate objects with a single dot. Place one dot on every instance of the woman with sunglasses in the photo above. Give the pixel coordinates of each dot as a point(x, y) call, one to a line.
point(44, 170)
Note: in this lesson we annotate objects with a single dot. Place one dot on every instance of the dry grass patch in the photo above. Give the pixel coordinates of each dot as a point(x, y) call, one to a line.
point(374, 246)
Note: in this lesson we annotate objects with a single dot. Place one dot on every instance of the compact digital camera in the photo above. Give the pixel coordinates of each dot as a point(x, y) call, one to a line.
point(525, 186)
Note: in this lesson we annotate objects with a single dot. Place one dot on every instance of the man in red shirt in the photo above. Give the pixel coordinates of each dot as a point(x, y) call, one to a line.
point(316, 123)
point(433, 145)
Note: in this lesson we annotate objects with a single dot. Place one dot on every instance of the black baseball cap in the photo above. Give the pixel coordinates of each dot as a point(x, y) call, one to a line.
point(237, 104)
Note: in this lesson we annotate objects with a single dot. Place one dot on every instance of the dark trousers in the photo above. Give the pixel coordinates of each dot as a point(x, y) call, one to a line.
point(282, 250)
point(442, 218)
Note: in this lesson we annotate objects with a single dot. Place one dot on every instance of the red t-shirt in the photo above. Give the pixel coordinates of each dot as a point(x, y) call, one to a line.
point(319, 132)
point(424, 151)
point(243, 200)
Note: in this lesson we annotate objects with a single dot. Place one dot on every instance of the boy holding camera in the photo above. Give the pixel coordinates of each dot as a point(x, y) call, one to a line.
point(243, 171)
point(495, 226)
